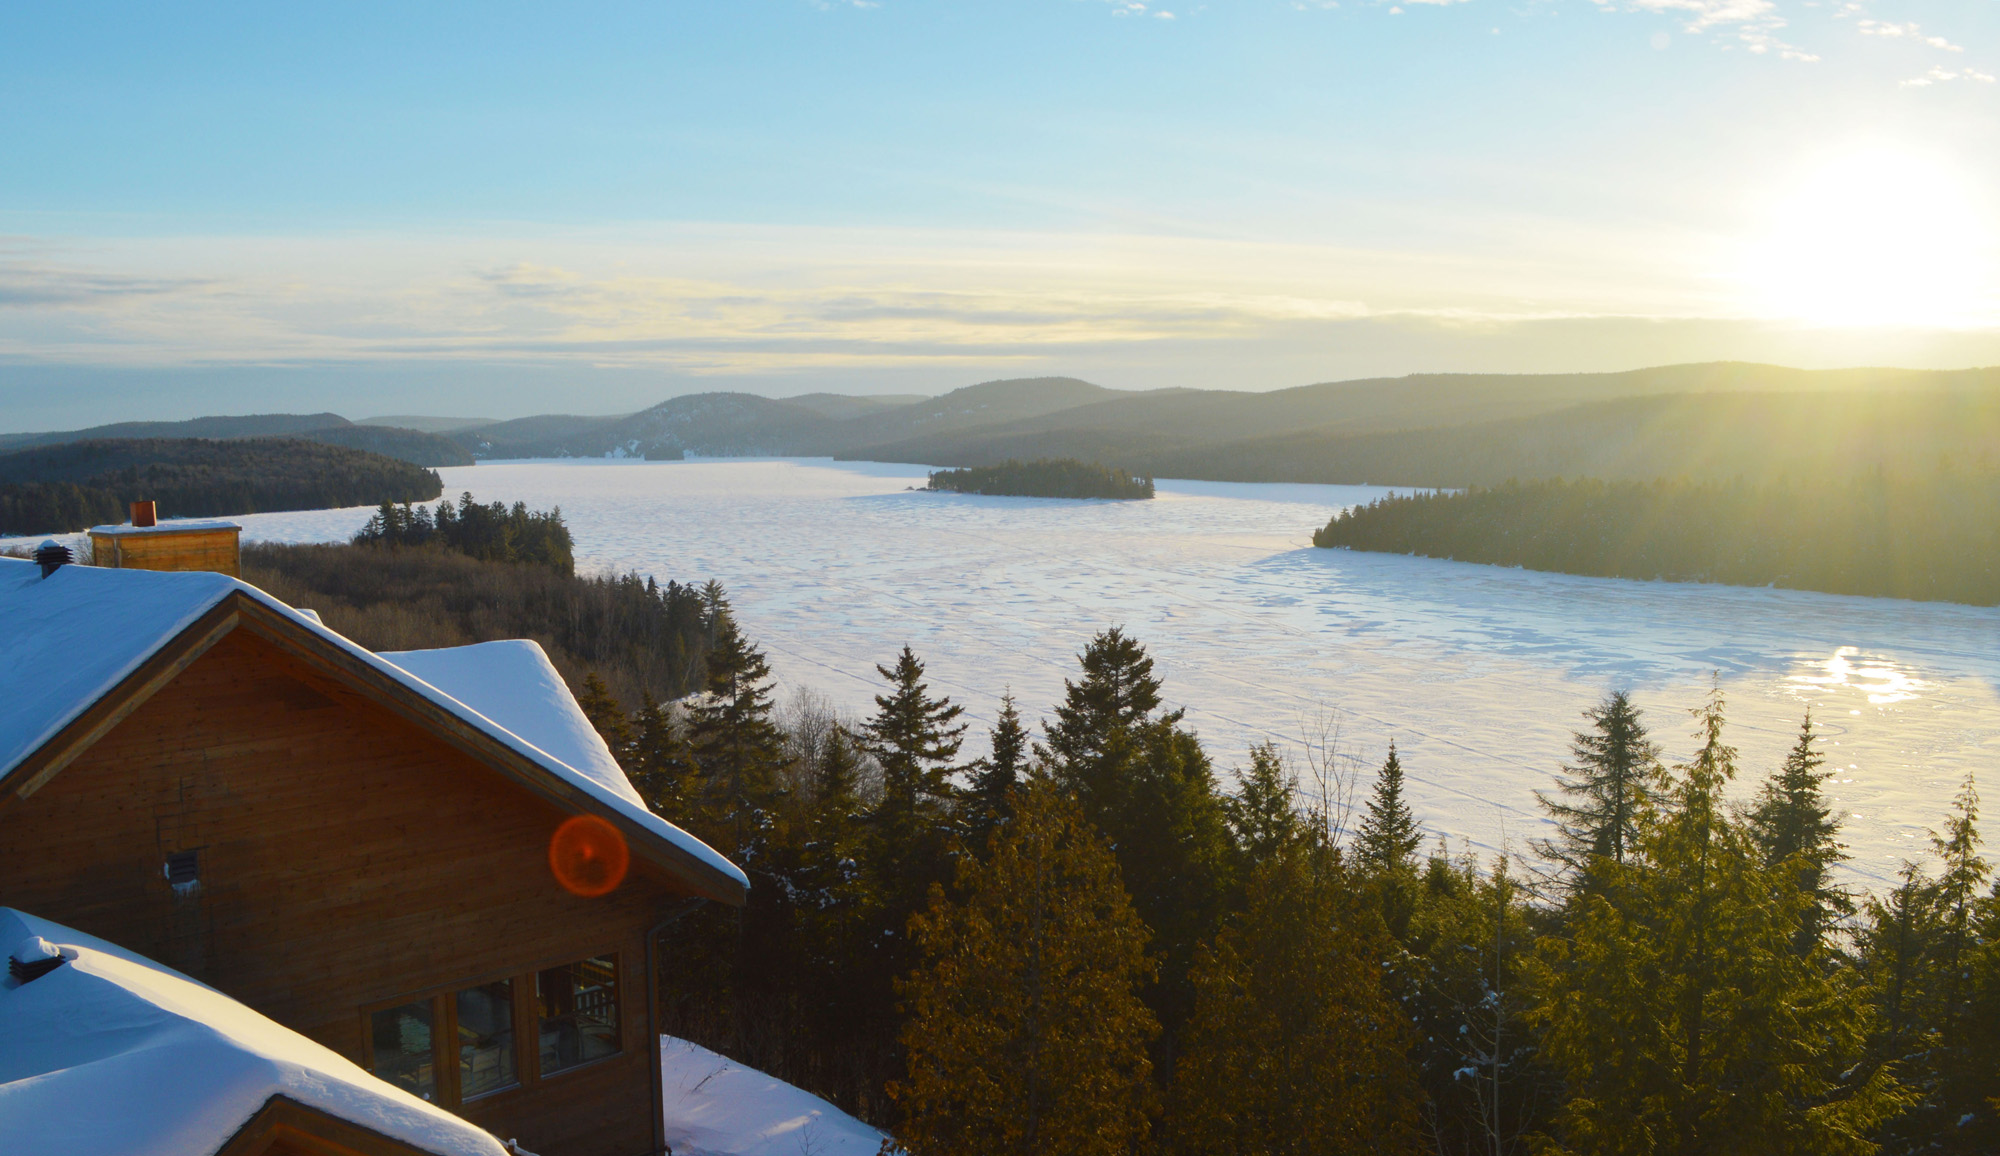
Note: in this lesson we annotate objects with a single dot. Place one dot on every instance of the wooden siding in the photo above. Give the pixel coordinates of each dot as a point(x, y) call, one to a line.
point(217, 550)
point(348, 859)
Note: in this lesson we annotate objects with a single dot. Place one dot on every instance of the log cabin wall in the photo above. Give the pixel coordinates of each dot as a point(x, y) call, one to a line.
point(346, 860)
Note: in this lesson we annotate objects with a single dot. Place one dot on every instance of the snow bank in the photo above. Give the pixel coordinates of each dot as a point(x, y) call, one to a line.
point(113, 1054)
point(717, 1107)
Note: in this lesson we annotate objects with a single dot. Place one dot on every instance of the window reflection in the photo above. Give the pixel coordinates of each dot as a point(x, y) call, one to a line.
point(402, 1045)
point(485, 1038)
point(578, 1007)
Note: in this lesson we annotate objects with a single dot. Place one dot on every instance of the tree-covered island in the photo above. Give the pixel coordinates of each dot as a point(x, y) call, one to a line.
point(1045, 478)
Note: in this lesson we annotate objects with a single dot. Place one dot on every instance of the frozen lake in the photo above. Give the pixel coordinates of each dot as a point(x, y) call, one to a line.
point(1478, 673)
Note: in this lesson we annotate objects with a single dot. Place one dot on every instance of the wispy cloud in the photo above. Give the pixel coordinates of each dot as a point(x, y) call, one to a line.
point(1938, 75)
point(1904, 31)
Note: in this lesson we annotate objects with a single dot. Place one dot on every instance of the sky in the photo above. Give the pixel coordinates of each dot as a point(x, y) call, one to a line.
point(496, 210)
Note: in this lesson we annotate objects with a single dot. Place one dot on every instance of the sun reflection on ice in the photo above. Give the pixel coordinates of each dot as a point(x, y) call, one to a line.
point(1883, 681)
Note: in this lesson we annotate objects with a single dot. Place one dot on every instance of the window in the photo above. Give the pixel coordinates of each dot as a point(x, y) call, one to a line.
point(402, 1048)
point(578, 1008)
point(572, 1009)
point(485, 1039)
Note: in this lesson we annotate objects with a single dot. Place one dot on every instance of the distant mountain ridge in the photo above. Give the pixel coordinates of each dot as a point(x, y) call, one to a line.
point(1706, 419)
point(417, 447)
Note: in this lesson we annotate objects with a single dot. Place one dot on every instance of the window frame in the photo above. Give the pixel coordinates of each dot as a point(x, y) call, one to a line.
point(443, 999)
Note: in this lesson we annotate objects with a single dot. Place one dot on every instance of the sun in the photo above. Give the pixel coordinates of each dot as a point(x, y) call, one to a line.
point(1873, 238)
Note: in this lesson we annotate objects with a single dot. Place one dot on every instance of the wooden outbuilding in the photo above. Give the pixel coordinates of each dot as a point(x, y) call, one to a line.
point(427, 862)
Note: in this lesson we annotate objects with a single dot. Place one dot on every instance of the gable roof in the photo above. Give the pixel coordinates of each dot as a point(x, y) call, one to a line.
point(130, 1058)
point(85, 646)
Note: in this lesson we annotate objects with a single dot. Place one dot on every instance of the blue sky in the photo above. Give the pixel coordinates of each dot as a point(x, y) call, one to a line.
point(500, 209)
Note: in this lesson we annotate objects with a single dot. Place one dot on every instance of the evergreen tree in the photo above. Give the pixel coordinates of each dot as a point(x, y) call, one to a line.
point(606, 717)
point(989, 803)
point(1680, 1012)
point(1024, 1033)
point(1792, 823)
point(1263, 815)
point(1605, 791)
point(735, 743)
point(1389, 835)
point(1295, 1046)
point(662, 766)
point(915, 738)
point(1116, 695)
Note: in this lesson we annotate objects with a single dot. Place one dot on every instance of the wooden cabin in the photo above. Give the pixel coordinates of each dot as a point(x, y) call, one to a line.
point(363, 848)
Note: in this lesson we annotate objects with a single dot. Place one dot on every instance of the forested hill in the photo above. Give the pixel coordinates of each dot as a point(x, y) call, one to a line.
point(68, 487)
point(414, 446)
point(1349, 431)
point(1935, 537)
point(1044, 478)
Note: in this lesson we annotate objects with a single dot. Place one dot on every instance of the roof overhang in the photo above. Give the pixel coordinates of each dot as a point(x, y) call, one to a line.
point(346, 665)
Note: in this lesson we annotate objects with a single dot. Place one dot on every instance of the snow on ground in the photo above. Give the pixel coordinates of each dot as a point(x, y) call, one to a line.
point(716, 1107)
point(1478, 672)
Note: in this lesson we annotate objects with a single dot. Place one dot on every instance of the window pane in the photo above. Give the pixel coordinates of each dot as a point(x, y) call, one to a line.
point(402, 1038)
point(579, 1013)
point(485, 1038)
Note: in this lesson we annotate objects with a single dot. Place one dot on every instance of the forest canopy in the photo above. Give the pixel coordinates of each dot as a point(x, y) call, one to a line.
point(68, 487)
point(1045, 478)
point(1934, 536)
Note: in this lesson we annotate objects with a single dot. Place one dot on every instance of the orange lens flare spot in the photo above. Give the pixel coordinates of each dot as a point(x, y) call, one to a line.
point(588, 856)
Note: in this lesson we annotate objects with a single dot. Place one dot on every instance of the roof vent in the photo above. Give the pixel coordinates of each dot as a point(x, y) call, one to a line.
point(52, 555)
point(33, 958)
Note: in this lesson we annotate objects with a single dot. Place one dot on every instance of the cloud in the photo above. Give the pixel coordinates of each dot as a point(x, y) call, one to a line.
point(1938, 75)
point(1904, 31)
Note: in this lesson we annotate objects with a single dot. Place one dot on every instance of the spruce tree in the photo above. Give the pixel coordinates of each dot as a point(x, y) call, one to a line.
point(1792, 822)
point(606, 717)
point(1295, 1046)
point(1116, 695)
point(1263, 815)
point(735, 743)
point(915, 738)
point(662, 767)
point(1679, 1011)
point(989, 802)
point(1389, 835)
point(1604, 792)
point(1024, 1032)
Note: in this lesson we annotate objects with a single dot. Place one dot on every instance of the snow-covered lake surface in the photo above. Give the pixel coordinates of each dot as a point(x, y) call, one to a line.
point(1479, 673)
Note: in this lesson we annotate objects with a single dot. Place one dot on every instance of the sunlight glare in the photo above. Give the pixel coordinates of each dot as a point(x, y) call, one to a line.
point(1873, 238)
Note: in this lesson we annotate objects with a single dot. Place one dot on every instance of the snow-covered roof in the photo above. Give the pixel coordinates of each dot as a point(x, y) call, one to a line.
point(514, 680)
point(67, 640)
point(171, 525)
point(714, 1106)
point(113, 1055)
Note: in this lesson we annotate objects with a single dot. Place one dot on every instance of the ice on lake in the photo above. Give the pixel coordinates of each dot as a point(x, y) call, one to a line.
point(1479, 673)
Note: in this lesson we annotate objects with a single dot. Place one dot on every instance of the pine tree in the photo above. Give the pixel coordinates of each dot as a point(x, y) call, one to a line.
point(1793, 823)
point(1605, 791)
point(1295, 1046)
point(1680, 1012)
point(915, 738)
point(662, 766)
point(1116, 696)
point(606, 717)
point(736, 745)
point(1024, 1033)
point(1263, 815)
point(989, 804)
point(1389, 835)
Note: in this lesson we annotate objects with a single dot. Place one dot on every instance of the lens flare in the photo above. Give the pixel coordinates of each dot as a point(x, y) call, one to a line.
point(588, 856)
